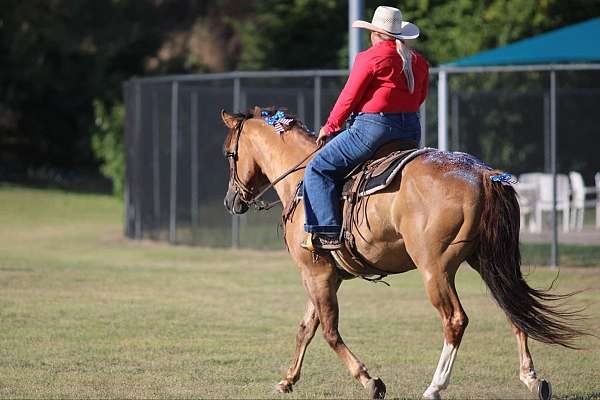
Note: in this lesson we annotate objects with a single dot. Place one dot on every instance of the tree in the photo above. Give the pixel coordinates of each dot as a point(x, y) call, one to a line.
point(57, 56)
point(293, 34)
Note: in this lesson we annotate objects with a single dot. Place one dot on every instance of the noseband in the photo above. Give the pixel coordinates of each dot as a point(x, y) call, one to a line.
point(245, 193)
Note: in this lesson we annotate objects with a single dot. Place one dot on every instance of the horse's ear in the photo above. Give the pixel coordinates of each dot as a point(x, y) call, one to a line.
point(228, 119)
point(257, 111)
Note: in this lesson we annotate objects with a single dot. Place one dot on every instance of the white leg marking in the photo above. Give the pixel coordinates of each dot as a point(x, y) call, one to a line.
point(441, 378)
point(530, 379)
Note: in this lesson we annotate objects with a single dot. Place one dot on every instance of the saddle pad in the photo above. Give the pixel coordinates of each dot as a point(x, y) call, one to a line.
point(385, 172)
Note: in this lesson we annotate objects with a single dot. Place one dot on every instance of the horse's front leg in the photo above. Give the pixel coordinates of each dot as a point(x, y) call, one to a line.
point(321, 282)
point(306, 331)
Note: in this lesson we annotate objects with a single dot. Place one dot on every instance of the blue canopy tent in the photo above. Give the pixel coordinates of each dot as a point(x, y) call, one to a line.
point(572, 44)
point(574, 47)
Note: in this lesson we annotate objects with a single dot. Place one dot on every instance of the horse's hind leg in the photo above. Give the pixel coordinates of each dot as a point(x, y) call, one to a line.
point(306, 331)
point(442, 293)
point(527, 373)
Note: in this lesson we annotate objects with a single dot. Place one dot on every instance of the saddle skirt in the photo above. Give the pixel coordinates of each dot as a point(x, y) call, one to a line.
point(366, 179)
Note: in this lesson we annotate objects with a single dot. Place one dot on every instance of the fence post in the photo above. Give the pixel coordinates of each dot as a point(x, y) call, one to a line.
point(454, 126)
point(300, 105)
point(137, 210)
point(442, 110)
point(194, 164)
point(554, 251)
point(174, 150)
point(547, 156)
point(129, 222)
point(317, 109)
point(235, 219)
point(355, 12)
point(423, 121)
point(156, 164)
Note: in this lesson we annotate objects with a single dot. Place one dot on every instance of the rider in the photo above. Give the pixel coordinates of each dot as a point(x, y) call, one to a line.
point(386, 86)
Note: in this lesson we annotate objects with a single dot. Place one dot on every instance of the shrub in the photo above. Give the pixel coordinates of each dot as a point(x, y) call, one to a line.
point(107, 143)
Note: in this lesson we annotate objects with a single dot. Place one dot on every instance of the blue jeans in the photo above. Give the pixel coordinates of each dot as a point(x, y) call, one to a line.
point(324, 174)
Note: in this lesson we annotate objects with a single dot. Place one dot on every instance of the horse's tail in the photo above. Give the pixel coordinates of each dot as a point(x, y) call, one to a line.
point(533, 311)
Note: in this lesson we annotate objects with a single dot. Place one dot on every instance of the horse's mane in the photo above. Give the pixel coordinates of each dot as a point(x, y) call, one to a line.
point(257, 113)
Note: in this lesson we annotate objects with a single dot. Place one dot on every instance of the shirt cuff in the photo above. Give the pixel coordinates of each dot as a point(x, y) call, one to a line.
point(330, 129)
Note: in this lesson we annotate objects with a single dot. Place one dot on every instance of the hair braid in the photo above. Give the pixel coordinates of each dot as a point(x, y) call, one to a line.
point(406, 56)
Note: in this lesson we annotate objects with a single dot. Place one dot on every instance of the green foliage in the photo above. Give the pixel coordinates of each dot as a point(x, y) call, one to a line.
point(107, 143)
point(304, 34)
point(293, 34)
point(57, 56)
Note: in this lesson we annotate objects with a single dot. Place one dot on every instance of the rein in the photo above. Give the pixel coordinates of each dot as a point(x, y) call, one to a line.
point(244, 192)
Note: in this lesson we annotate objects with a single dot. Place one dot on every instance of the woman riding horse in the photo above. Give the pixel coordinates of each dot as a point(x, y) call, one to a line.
point(386, 86)
point(443, 210)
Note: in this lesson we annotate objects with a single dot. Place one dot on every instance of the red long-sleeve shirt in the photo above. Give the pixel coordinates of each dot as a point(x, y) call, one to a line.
point(377, 84)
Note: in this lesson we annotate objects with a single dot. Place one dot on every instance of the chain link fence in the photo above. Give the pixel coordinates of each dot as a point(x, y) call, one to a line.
point(176, 175)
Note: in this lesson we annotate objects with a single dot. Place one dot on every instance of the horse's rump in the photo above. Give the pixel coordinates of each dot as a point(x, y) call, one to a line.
point(375, 222)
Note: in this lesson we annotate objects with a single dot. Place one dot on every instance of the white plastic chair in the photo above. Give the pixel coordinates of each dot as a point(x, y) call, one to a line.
point(578, 201)
point(527, 190)
point(544, 201)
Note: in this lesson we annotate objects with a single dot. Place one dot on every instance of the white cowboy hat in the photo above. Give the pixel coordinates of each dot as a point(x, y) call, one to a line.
point(388, 20)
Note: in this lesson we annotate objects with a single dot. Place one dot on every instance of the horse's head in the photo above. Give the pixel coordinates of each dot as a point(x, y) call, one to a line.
point(245, 176)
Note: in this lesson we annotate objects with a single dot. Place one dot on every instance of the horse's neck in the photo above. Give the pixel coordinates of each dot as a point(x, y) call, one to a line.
point(280, 154)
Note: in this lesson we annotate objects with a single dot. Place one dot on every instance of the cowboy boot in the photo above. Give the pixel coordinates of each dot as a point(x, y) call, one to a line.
point(321, 241)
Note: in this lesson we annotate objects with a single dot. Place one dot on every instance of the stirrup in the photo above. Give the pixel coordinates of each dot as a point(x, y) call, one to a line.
point(315, 242)
point(308, 243)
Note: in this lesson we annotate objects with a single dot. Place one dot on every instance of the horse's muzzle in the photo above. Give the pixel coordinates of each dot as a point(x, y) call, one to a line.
point(234, 203)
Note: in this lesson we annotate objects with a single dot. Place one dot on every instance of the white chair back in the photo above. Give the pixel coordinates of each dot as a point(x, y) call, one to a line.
point(562, 190)
point(531, 177)
point(578, 188)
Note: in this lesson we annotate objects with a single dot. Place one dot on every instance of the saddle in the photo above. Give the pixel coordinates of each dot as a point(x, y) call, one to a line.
point(366, 179)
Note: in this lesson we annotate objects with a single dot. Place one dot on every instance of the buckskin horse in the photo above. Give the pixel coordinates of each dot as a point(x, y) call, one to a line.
point(441, 210)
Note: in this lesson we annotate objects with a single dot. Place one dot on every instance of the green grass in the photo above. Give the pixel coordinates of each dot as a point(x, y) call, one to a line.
point(87, 314)
point(571, 255)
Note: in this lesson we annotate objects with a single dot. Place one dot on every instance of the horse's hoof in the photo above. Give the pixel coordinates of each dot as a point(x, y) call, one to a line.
point(283, 387)
point(544, 390)
point(376, 388)
point(431, 394)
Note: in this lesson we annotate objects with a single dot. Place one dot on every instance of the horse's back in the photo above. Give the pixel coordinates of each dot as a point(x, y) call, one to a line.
point(443, 180)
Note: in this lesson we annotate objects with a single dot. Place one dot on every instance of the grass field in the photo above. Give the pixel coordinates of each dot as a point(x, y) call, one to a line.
point(87, 314)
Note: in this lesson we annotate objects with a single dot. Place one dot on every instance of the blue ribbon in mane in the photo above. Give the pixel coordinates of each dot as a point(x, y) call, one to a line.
point(505, 179)
point(277, 120)
point(273, 119)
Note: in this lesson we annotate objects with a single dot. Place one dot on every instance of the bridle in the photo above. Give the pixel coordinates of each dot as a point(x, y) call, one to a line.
point(245, 193)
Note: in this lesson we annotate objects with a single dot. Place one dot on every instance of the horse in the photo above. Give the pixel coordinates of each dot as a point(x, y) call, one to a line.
point(442, 210)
